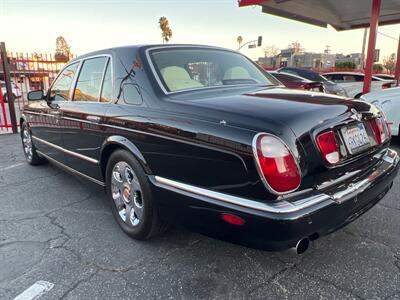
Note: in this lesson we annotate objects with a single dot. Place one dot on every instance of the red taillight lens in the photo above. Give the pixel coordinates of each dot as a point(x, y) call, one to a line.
point(381, 130)
point(276, 164)
point(386, 85)
point(329, 147)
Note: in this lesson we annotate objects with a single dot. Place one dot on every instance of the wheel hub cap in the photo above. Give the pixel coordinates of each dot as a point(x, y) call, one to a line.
point(127, 193)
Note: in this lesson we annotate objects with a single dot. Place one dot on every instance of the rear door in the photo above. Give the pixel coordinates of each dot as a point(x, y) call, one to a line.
point(82, 118)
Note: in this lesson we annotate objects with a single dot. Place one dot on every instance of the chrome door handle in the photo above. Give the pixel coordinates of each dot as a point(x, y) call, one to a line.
point(94, 119)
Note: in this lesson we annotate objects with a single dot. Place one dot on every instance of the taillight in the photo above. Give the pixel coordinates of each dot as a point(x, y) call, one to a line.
point(276, 164)
point(381, 130)
point(386, 85)
point(329, 147)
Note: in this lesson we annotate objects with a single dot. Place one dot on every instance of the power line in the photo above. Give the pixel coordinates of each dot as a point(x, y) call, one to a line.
point(391, 37)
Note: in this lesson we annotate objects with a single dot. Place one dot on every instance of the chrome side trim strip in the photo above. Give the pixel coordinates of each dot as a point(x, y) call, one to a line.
point(84, 157)
point(56, 162)
point(40, 114)
point(281, 207)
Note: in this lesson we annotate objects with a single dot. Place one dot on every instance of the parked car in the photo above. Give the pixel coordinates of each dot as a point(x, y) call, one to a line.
point(202, 136)
point(329, 86)
point(15, 89)
point(353, 82)
point(389, 101)
point(385, 76)
point(297, 82)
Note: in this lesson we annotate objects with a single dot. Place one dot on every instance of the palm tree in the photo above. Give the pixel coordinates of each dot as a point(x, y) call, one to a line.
point(239, 40)
point(166, 31)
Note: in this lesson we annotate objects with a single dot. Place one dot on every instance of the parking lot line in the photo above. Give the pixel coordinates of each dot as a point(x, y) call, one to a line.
point(11, 167)
point(35, 291)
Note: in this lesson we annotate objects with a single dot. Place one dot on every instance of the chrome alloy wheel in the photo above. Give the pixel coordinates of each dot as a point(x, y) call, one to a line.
point(27, 143)
point(127, 193)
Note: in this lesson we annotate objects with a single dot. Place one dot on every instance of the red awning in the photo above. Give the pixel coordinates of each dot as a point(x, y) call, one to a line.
point(340, 14)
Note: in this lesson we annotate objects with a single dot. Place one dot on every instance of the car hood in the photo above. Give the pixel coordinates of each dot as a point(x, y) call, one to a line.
point(299, 110)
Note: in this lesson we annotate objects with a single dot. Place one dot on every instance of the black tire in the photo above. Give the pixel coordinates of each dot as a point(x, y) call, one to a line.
point(32, 157)
point(5, 97)
point(149, 223)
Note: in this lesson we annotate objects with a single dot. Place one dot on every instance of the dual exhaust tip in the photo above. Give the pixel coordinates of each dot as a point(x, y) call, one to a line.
point(302, 246)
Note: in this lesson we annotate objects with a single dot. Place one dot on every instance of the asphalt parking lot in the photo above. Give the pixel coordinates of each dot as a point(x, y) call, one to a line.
point(56, 228)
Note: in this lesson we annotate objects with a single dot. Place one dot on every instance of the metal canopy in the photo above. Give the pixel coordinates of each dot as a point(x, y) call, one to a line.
point(340, 14)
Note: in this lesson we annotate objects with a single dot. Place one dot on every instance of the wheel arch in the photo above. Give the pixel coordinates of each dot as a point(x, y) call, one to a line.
point(22, 119)
point(116, 142)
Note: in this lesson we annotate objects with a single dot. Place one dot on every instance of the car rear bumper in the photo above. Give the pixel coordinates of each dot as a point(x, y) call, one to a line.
point(279, 225)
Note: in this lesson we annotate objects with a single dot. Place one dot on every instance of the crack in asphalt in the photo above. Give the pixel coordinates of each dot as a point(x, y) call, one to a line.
point(340, 288)
point(368, 238)
point(77, 284)
point(388, 206)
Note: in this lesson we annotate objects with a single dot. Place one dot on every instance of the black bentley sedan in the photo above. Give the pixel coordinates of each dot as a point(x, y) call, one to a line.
point(202, 136)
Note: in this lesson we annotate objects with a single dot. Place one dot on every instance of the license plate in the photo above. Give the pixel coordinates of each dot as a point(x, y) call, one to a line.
point(355, 138)
point(316, 89)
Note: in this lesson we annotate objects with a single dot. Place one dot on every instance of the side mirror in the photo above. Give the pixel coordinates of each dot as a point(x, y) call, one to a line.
point(35, 95)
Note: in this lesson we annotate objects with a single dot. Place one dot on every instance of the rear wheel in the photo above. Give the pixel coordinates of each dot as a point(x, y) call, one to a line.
point(131, 198)
point(32, 157)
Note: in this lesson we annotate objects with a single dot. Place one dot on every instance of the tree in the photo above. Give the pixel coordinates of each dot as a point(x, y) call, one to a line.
point(296, 46)
point(239, 40)
point(166, 31)
point(63, 50)
point(346, 65)
point(389, 62)
point(271, 51)
point(378, 67)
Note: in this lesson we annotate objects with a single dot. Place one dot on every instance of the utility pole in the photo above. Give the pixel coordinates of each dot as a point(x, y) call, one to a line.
point(363, 49)
point(10, 95)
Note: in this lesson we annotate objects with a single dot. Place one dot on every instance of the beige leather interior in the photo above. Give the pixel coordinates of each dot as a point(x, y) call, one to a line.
point(237, 73)
point(177, 78)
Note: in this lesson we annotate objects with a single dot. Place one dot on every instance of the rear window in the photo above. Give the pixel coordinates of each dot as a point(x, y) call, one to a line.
point(197, 68)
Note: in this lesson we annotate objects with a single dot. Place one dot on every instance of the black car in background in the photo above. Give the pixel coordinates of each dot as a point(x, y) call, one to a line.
point(329, 86)
point(202, 136)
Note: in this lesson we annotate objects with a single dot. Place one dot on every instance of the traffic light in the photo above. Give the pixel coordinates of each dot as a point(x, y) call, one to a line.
point(259, 41)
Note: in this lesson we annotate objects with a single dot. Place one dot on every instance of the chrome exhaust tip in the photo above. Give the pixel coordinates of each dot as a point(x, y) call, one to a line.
point(302, 245)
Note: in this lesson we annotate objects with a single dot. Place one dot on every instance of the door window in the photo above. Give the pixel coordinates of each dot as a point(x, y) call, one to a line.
point(106, 93)
point(89, 80)
point(62, 86)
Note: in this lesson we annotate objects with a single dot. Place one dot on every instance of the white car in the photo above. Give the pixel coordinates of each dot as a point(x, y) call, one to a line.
point(389, 102)
point(353, 82)
point(15, 89)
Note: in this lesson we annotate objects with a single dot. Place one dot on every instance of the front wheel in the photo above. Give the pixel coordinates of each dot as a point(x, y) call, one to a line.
point(31, 156)
point(131, 198)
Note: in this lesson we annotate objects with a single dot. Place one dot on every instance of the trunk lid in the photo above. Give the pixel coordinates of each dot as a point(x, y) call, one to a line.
point(305, 114)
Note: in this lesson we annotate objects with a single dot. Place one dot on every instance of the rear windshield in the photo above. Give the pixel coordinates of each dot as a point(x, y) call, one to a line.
point(196, 68)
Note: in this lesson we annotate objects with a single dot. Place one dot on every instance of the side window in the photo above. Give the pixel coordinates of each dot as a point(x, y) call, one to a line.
point(62, 86)
point(131, 94)
point(106, 93)
point(89, 80)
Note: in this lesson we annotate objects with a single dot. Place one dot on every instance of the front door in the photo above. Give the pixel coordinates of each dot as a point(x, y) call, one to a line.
point(45, 119)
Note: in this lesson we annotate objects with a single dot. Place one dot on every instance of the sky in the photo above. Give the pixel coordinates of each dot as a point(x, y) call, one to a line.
point(88, 25)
